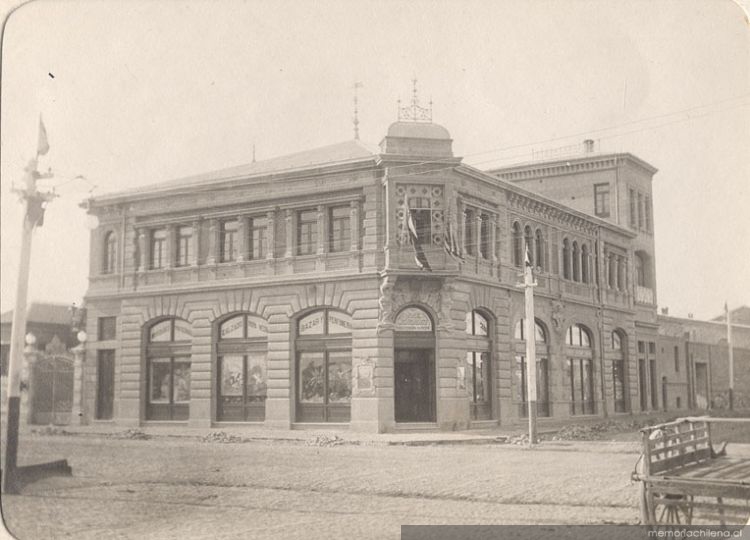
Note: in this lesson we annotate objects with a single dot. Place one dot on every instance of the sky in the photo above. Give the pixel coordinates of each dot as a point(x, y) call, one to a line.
point(137, 92)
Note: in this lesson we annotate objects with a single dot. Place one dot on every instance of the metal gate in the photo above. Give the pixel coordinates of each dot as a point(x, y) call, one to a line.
point(52, 389)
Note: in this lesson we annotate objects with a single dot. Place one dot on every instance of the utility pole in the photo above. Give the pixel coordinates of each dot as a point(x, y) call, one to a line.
point(530, 331)
point(33, 216)
point(731, 356)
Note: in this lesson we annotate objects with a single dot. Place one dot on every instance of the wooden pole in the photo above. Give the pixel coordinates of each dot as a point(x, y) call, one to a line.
point(18, 333)
point(528, 283)
point(731, 357)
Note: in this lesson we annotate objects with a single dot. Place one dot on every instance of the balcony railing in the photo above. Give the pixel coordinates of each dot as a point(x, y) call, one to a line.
point(644, 295)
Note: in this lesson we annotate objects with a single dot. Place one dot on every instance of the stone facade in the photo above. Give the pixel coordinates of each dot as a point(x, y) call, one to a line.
point(318, 250)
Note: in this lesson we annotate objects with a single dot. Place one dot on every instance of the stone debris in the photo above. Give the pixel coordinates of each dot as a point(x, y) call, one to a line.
point(50, 430)
point(222, 437)
point(132, 433)
point(326, 440)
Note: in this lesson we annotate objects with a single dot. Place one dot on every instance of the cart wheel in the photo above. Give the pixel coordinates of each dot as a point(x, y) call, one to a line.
point(675, 509)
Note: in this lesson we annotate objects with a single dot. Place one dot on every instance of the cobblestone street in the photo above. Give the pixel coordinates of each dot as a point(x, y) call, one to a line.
point(184, 488)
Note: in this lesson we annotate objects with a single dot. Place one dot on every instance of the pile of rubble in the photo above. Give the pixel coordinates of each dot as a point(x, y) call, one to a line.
point(221, 437)
point(326, 440)
point(132, 433)
point(50, 430)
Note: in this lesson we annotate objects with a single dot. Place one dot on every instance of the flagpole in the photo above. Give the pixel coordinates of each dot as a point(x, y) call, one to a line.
point(731, 356)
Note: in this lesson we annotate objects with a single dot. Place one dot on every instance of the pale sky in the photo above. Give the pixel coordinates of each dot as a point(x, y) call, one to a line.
point(136, 92)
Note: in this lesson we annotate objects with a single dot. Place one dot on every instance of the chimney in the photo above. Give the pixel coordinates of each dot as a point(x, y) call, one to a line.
point(588, 146)
point(690, 315)
point(665, 311)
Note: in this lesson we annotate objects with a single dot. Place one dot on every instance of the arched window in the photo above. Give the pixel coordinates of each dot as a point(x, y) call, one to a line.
point(542, 366)
point(477, 372)
point(109, 255)
point(241, 345)
point(324, 366)
point(585, 277)
point(528, 238)
point(168, 344)
point(470, 232)
point(618, 371)
point(580, 369)
point(517, 245)
point(566, 258)
point(576, 262)
point(539, 249)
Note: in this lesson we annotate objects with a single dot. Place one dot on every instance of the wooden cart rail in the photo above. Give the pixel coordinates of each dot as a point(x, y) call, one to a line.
point(685, 480)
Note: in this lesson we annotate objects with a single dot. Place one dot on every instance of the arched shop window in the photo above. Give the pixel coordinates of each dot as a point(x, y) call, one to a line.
point(542, 367)
point(241, 346)
point(168, 344)
point(478, 369)
point(580, 369)
point(324, 366)
point(619, 369)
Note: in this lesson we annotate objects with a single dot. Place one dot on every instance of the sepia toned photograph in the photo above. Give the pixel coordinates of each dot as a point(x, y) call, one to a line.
point(374, 269)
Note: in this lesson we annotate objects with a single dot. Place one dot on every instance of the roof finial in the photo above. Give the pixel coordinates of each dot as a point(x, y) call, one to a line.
point(415, 112)
point(357, 85)
point(253, 152)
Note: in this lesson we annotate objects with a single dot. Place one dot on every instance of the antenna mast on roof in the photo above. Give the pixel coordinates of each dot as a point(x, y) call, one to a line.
point(357, 85)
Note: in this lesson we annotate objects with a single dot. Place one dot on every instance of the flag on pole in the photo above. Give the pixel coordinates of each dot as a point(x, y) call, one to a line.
point(527, 258)
point(42, 146)
point(419, 255)
point(451, 244)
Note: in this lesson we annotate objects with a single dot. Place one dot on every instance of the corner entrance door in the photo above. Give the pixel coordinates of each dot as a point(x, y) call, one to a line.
point(414, 385)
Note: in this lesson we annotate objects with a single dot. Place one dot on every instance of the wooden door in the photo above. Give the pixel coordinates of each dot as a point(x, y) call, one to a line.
point(414, 386)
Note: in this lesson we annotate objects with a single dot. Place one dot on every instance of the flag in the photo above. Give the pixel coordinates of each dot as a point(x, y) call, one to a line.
point(42, 146)
point(451, 244)
point(527, 258)
point(419, 256)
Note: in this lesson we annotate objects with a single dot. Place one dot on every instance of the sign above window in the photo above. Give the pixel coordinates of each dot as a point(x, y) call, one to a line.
point(413, 320)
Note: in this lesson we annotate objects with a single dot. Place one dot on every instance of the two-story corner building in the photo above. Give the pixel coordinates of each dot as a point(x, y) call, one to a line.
point(374, 288)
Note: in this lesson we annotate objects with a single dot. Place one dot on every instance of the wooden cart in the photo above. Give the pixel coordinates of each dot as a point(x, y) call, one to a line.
point(684, 479)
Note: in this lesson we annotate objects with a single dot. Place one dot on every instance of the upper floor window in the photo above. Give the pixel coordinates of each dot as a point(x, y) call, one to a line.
point(640, 211)
point(517, 244)
point(420, 211)
point(184, 246)
point(484, 236)
point(228, 240)
point(110, 253)
point(578, 336)
point(566, 258)
point(158, 248)
point(339, 231)
point(642, 277)
point(539, 248)
point(601, 200)
point(616, 341)
point(470, 232)
point(633, 210)
point(676, 359)
point(576, 262)
point(585, 277)
point(647, 213)
point(257, 228)
point(307, 232)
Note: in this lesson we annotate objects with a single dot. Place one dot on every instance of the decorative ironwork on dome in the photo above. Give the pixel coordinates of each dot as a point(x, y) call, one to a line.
point(414, 112)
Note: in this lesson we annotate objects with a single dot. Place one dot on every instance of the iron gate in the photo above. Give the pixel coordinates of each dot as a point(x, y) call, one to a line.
point(52, 390)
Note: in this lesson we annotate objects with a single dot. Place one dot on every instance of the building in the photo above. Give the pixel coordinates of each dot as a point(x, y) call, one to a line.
point(374, 288)
point(44, 321)
point(695, 361)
